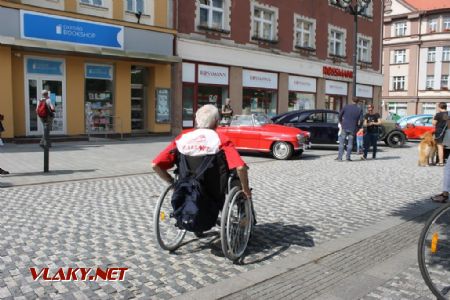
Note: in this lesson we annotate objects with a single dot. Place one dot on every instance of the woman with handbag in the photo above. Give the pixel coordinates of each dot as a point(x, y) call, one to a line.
point(440, 123)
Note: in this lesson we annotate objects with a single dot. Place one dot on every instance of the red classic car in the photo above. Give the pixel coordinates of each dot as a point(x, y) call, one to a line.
point(258, 133)
point(418, 126)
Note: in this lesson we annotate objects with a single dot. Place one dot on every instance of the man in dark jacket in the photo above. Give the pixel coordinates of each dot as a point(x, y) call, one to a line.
point(350, 118)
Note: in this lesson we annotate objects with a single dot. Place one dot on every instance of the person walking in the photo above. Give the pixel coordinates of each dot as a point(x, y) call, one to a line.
point(46, 112)
point(227, 112)
point(371, 121)
point(350, 118)
point(2, 172)
point(440, 122)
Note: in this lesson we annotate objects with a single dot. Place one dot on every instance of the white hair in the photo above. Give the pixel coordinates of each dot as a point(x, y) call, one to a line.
point(207, 116)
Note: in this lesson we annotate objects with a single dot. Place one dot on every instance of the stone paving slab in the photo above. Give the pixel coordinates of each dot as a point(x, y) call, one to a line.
point(301, 204)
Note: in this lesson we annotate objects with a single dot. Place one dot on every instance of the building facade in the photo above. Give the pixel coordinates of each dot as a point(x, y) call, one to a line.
point(416, 56)
point(272, 56)
point(107, 65)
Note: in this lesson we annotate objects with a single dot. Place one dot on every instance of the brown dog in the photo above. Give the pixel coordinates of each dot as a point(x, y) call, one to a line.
point(427, 149)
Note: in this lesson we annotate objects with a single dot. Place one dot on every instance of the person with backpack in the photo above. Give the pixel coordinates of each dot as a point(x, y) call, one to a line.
point(216, 153)
point(46, 112)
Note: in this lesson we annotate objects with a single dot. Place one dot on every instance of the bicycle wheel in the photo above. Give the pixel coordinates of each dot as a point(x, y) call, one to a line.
point(168, 236)
point(236, 224)
point(434, 253)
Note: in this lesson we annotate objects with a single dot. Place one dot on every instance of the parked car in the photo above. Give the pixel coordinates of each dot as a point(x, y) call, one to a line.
point(416, 126)
point(411, 119)
point(322, 124)
point(258, 133)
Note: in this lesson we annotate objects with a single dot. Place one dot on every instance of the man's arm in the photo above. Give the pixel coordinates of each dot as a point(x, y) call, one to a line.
point(162, 173)
point(243, 177)
point(341, 114)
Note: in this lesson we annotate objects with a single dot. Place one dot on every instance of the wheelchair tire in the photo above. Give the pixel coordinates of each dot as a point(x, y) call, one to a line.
point(167, 235)
point(434, 252)
point(236, 224)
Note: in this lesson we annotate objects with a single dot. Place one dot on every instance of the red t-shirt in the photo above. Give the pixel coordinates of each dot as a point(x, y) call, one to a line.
point(166, 159)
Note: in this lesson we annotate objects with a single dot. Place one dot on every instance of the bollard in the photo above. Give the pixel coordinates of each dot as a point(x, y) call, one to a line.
point(46, 147)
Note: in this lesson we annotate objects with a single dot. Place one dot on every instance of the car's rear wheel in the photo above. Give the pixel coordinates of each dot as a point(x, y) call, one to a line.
point(282, 150)
point(395, 139)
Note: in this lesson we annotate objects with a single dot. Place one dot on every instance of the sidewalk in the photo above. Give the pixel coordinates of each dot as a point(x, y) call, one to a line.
point(81, 160)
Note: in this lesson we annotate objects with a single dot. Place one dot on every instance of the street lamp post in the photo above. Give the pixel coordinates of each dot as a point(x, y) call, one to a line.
point(355, 10)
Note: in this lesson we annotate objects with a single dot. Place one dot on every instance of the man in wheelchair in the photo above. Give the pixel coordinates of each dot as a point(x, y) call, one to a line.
point(204, 159)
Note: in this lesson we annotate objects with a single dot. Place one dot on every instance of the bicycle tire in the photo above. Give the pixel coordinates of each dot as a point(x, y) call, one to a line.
point(434, 253)
point(158, 217)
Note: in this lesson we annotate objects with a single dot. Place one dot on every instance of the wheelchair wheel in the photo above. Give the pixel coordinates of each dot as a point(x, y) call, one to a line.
point(236, 224)
point(168, 236)
point(434, 253)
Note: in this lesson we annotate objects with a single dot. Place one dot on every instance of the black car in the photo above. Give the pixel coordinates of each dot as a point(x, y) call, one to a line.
point(323, 127)
point(322, 124)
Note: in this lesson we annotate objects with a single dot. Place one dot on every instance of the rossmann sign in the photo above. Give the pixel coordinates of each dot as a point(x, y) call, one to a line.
point(333, 72)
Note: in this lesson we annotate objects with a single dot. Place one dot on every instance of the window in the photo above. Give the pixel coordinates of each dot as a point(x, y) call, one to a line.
point(428, 108)
point(92, 2)
point(304, 31)
point(315, 118)
point(263, 24)
point(400, 56)
point(432, 25)
point(444, 82)
point(446, 54)
point(397, 108)
point(135, 6)
point(431, 54)
point(446, 24)
point(400, 28)
point(364, 50)
point(332, 118)
point(212, 13)
point(336, 39)
point(430, 82)
point(399, 83)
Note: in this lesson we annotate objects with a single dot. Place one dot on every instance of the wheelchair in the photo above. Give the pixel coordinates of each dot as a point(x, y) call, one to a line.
point(236, 221)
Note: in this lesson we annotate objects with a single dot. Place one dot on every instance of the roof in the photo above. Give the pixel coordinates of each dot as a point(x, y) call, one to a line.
point(429, 4)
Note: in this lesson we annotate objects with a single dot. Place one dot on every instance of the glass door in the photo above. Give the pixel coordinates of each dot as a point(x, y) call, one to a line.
point(138, 98)
point(34, 89)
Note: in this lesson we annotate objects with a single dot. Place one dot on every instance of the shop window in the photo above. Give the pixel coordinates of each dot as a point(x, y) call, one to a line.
point(397, 108)
point(211, 95)
point(188, 105)
point(99, 98)
point(260, 101)
point(300, 101)
point(139, 79)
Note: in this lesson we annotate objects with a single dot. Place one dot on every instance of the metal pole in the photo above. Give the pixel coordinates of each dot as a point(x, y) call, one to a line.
point(355, 49)
point(46, 146)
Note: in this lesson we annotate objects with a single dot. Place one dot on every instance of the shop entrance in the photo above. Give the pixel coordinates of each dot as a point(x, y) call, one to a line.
point(35, 86)
point(334, 102)
point(43, 74)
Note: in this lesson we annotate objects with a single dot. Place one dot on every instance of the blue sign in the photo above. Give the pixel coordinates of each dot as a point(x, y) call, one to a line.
point(99, 72)
point(42, 66)
point(37, 26)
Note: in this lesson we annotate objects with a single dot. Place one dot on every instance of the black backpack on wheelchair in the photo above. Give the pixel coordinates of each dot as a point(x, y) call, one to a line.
point(199, 192)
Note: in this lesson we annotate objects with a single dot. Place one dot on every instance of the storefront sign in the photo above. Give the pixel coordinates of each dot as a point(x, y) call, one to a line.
point(259, 79)
point(99, 72)
point(188, 72)
point(212, 75)
point(302, 84)
point(162, 105)
point(43, 66)
point(337, 72)
point(37, 26)
point(364, 91)
point(335, 88)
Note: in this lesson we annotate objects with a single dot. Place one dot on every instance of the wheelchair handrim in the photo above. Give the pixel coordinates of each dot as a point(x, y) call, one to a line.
point(237, 240)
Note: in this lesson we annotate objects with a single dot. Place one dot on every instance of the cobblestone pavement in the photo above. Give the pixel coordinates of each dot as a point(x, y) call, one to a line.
point(108, 222)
